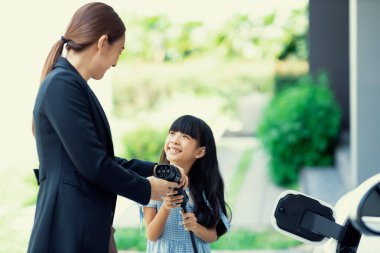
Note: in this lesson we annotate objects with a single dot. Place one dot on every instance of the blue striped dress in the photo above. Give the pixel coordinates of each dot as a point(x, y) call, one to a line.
point(174, 238)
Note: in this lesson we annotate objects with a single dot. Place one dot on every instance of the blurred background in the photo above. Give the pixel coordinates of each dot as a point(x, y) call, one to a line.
point(275, 80)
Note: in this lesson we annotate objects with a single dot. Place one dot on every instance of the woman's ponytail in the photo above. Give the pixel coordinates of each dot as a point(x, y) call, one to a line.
point(51, 59)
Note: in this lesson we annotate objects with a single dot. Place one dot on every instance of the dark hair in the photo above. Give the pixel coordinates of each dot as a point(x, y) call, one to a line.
point(204, 175)
point(87, 25)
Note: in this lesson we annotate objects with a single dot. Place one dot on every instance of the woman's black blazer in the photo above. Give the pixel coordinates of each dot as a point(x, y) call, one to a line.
point(79, 175)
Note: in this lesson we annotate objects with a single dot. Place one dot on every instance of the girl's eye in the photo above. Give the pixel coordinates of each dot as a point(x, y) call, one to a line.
point(186, 137)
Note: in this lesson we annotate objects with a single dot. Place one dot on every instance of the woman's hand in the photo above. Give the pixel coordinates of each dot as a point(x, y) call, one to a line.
point(190, 221)
point(160, 187)
point(171, 201)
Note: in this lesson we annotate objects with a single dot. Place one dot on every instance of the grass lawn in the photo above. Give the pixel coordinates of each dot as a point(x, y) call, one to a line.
point(240, 239)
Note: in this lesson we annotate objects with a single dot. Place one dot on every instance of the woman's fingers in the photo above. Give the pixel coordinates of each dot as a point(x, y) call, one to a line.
point(171, 192)
point(170, 185)
point(160, 187)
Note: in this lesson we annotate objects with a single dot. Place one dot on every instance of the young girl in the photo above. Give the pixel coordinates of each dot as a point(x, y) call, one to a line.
point(190, 144)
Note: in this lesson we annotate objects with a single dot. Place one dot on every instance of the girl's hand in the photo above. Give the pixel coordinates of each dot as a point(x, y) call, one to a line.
point(184, 180)
point(190, 221)
point(171, 201)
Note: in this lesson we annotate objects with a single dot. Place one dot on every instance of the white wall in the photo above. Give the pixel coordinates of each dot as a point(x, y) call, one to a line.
point(364, 89)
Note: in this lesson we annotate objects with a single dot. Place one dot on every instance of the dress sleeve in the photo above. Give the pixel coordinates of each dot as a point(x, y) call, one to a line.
point(224, 219)
point(152, 203)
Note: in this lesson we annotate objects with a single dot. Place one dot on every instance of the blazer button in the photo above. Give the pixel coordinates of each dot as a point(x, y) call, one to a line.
point(111, 214)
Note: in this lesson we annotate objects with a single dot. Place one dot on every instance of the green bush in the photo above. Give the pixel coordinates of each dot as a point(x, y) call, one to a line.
point(144, 143)
point(299, 128)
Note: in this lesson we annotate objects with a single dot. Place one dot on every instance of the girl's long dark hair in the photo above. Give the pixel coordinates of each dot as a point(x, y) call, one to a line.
point(204, 176)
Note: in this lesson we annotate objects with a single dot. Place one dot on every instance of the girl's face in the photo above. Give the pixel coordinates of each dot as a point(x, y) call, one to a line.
point(107, 57)
point(182, 150)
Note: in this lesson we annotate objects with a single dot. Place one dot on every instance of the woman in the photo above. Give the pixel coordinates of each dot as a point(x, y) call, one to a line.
point(79, 175)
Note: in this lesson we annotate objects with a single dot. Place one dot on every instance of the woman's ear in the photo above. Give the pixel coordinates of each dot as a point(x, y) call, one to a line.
point(102, 43)
point(200, 152)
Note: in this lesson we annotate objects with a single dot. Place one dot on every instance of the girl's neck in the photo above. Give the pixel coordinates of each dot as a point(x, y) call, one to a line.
point(186, 168)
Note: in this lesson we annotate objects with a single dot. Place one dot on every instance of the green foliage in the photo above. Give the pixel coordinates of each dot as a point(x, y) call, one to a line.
point(241, 239)
point(130, 239)
point(158, 39)
point(144, 86)
point(296, 45)
point(294, 41)
point(184, 45)
point(299, 128)
point(144, 143)
point(146, 37)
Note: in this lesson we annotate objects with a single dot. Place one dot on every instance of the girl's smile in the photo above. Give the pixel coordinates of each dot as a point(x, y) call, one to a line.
point(174, 150)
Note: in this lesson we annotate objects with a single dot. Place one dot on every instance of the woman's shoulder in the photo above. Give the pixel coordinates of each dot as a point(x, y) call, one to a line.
point(62, 80)
point(64, 72)
point(62, 75)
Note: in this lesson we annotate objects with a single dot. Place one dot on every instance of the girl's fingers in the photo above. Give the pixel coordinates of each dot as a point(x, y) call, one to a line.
point(173, 201)
point(188, 216)
point(171, 205)
point(174, 198)
point(183, 181)
point(189, 223)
